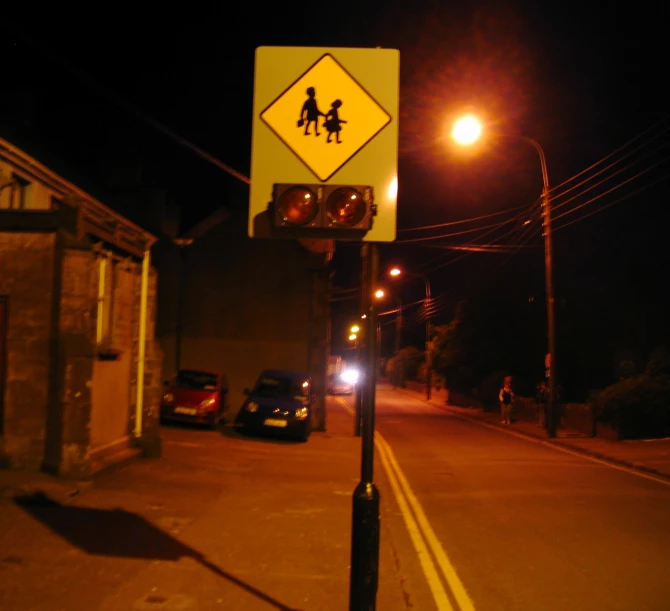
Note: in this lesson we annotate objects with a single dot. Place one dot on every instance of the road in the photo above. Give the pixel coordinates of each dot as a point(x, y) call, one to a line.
point(472, 518)
point(520, 525)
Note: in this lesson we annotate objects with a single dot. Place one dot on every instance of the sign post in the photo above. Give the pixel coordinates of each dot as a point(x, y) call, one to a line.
point(324, 166)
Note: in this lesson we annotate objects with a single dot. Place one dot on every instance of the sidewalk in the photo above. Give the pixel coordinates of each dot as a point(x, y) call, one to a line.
point(648, 456)
point(221, 521)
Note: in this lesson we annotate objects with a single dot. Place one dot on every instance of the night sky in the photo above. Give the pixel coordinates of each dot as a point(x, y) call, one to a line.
point(581, 81)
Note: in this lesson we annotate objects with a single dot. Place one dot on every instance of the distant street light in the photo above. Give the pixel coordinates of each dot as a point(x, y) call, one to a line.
point(429, 374)
point(466, 131)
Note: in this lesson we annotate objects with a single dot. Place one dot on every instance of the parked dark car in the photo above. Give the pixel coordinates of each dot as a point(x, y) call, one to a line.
point(280, 401)
point(198, 396)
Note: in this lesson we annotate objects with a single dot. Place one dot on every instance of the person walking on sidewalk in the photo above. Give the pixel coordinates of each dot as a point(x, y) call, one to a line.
point(506, 398)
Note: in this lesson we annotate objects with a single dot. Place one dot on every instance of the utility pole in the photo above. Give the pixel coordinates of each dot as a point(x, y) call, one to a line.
point(551, 417)
point(364, 575)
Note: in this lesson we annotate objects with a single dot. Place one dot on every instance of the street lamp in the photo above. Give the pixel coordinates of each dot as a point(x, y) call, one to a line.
point(466, 131)
point(397, 272)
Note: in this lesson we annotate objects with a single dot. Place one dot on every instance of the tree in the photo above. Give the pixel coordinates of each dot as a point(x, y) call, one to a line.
point(404, 365)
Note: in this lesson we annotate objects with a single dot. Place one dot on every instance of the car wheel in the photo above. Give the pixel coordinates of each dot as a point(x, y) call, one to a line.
point(216, 422)
point(307, 429)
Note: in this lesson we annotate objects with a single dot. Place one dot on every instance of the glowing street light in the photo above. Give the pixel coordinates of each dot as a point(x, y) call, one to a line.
point(467, 130)
point(353, 337)
point(355, 329)
point(379, 293)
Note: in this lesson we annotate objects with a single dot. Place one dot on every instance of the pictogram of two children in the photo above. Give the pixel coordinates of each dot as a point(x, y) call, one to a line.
point(310, 113)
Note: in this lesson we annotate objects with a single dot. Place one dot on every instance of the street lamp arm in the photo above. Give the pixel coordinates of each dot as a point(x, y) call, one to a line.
point(543, 162)
point(540, 151)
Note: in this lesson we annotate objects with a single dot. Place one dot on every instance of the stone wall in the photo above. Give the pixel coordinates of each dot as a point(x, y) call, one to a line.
point(68, 446)
point(27, 280)
point(51, 285)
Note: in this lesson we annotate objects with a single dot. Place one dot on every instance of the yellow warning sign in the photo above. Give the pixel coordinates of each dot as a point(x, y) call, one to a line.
point(325, 117)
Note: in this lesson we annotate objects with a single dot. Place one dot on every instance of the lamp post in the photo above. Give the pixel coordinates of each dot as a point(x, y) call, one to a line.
point(397, 272)
point(466, 131)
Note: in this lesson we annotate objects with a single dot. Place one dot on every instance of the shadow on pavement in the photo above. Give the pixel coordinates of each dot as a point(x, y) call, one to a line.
point(116, 532)
point(230, 430)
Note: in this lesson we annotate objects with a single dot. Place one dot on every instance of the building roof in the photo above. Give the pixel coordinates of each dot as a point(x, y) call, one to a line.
point(98, 219)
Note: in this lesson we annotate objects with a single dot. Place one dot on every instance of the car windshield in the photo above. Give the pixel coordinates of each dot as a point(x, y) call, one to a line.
point(270, 386)
point(195, 380)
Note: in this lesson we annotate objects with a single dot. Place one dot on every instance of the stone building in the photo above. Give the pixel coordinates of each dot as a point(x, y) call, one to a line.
point(77, 325)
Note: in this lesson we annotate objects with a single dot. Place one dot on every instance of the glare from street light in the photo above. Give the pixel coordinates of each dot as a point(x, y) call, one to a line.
point(395, 272)
point(355, 329)
point(467, 130)
point(353, 336)
point(379, 293)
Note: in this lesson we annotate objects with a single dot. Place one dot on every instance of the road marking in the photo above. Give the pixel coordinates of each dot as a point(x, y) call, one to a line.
point(427, 546)
point(560, 448)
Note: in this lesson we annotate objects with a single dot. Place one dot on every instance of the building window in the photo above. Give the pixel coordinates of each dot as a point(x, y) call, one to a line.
point(106, 273)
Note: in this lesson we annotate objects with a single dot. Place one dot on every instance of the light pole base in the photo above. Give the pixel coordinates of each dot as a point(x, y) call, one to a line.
point(364, 576)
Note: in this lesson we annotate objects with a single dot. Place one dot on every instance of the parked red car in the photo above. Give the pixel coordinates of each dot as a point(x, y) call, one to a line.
point(196, 396)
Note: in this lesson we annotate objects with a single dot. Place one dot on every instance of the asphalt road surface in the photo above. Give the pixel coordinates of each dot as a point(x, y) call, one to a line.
point(472, 518)
point(508, 523)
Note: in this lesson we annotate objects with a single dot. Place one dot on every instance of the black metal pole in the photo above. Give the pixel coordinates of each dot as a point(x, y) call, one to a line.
point(360, 351)
point(364, 574)
point(358, 401)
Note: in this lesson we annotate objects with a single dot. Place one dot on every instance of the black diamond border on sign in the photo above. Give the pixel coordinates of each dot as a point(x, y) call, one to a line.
point(359, 149)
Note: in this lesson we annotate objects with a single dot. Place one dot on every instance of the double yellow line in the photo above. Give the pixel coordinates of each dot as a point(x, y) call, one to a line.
point(447, 589)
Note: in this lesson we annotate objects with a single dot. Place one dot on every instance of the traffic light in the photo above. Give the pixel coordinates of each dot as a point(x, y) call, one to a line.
point(338, 212)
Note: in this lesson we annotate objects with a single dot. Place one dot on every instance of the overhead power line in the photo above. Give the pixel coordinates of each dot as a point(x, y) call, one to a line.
point(469, 220)
point(616, 201)
point(597, 163)
point(621, 184)
point(604, 180)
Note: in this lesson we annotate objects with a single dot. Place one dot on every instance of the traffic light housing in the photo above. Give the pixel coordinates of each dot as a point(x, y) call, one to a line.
point(337, 212)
